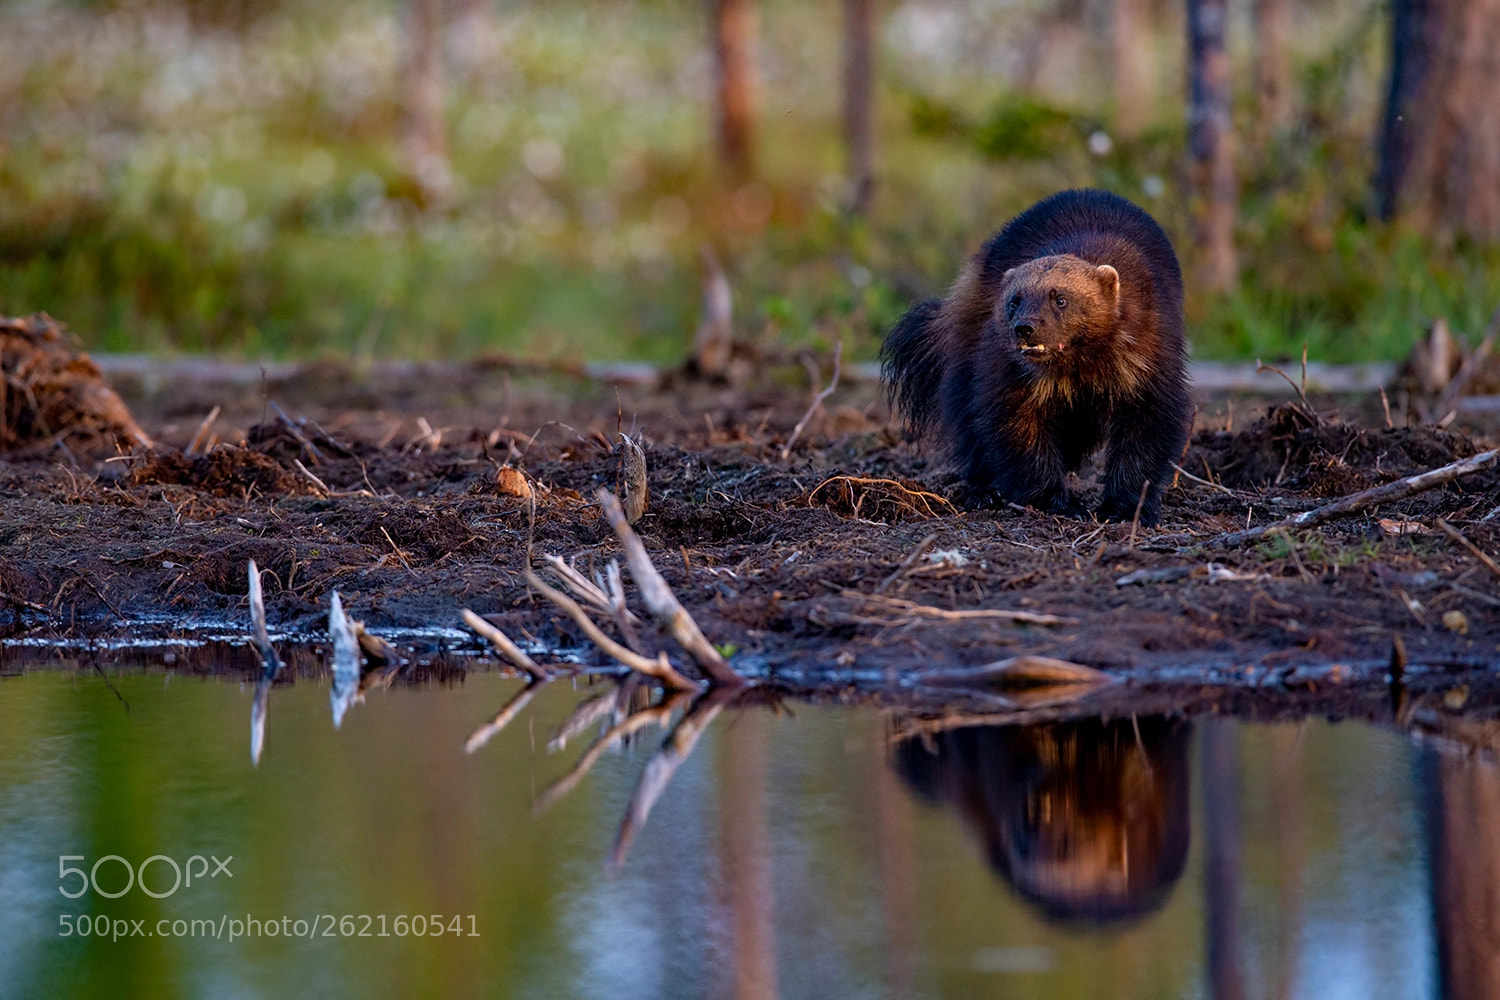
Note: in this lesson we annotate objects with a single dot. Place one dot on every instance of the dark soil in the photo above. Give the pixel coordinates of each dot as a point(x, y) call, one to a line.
point(802, 565)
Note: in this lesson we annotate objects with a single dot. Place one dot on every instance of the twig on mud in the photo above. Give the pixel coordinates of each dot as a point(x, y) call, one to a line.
point(1359, 501)
point(1448, 398)
point(321, 486)
point(22, 602)
point(515, 654)
point(817, 403)
point(907, 563)
point(662, 603)
point(200, 439)
point(624, 618)
point(660, 668)
point(397, 549)
point(1203, 482)
point(581, 586)
point(1307, 408)
point(923, 497)
point(912, 610)
point(1135, 522)
point(296, 432)
point(1476, 551)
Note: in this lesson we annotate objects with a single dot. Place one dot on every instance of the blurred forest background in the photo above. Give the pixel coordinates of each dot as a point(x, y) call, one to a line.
point(452, 177)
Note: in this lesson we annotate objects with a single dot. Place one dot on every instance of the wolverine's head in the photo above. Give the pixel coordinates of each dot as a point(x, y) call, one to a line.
point(1052, 304)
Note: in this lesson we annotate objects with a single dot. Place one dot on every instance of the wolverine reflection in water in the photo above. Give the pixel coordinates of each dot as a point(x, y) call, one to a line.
point(1087, 820)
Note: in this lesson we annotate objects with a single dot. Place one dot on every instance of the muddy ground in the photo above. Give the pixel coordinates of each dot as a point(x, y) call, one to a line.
point(803, 565)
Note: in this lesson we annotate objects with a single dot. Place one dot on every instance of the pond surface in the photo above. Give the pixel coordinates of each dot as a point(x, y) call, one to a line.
point(803, 854)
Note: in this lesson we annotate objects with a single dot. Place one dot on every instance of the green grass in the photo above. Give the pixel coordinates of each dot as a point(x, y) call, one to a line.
point(240, 191)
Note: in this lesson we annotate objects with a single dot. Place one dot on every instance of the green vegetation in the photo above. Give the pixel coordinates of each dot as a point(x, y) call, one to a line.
point(234, 184)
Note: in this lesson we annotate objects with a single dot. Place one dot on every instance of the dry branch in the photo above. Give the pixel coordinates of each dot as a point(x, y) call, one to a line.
point(905, 495)
point(906, 564)
point(910, 610)
point(200, 439)
point(515, 654)
point(817, 403)
point(1476, 551)
point(659, 668)
point(662, 603)
point(1359, 501)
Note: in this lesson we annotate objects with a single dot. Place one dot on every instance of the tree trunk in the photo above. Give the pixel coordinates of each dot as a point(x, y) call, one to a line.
point(1211, 144)
point(734, 37)
point(424, 135)
point(1131, 45)
point(859, 98)
point(1440, 145)
point(1273, 68)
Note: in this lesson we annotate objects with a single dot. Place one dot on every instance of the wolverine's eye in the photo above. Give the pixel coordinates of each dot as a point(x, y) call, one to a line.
point(1062, 303)
point(1015, 303)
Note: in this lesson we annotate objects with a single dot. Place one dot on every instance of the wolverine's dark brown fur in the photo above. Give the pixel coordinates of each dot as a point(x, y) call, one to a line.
point(1063, 332)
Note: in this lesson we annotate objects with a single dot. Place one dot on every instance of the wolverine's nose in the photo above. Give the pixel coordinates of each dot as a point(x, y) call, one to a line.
point(1024, 330)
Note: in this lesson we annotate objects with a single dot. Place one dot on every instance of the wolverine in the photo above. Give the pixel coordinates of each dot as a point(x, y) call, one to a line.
point(1062, 334)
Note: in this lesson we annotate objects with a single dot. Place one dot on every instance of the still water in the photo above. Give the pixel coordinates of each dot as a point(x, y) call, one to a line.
point(808, 853)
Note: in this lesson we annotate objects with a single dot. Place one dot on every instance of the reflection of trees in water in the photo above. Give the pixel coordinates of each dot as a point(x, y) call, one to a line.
point(1086, 820)
point(1463, 826)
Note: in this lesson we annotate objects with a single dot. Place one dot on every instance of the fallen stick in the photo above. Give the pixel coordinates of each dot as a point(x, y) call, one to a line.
point(662, 603)
point(906, 564)
point(1462, 539)
point(817, 403)
point(515, 654)
point(659, 668)
point(927, 611)
point(1359, 501)
point(201, 437)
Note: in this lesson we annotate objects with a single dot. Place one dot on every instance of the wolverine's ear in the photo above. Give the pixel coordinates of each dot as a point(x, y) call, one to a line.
point(1109, 280)
point(1006, 276)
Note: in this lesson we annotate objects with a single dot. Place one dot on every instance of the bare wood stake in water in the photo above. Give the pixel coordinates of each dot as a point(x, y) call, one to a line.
point(662, 603)
point(270, 665)
point(1359, 501)
point(270, 662)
